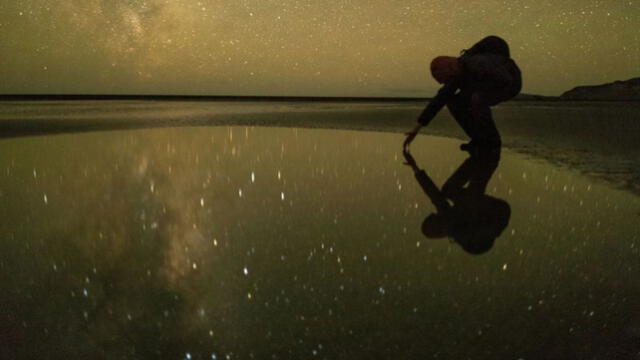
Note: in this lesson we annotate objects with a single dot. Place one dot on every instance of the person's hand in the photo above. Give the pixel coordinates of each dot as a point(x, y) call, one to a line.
point(410, 136)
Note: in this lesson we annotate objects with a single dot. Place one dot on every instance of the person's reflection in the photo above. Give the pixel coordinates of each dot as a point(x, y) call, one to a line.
point(464, 212)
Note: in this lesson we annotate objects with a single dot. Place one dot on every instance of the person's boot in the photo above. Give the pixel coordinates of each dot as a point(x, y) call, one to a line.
point(471, 147)
point(468, 146)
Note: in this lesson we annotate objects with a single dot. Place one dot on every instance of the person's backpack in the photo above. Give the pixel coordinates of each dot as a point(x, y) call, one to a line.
point(489, 45)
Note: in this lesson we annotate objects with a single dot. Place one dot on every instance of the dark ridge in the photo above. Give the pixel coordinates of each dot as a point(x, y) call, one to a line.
point(535, 97)
point(203, 98)
point(627, 90)
point(532, 98)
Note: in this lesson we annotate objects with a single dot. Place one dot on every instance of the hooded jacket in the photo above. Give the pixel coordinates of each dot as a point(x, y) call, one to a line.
point(485, 67)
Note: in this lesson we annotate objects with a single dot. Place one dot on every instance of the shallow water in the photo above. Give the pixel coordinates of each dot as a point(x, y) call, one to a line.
point(599, 139)
point(249, 242)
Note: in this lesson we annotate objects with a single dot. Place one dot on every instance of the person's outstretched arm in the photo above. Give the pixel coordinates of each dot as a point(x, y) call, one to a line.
point(435, 105)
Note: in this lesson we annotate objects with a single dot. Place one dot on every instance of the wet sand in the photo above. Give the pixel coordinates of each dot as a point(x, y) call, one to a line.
point(598, 139)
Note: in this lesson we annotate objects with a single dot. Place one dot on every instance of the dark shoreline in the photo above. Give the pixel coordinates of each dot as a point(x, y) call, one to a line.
point(64, 97)
point(205, 98)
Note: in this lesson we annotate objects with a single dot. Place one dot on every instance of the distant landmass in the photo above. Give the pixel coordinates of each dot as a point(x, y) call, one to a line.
point(528, 97)
point(618, 90)
point(627, 90)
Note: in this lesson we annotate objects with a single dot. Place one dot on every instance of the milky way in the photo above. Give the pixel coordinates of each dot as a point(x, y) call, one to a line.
point(302, 47)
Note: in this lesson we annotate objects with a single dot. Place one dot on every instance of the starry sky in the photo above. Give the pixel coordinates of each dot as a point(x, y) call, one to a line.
point(303, 47)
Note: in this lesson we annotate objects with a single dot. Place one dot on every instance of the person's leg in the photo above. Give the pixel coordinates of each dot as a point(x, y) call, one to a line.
point(503, 83)
point(485, 133)
point(460, 109)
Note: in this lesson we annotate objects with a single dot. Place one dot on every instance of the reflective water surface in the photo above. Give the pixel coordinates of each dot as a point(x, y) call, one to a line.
point(248, 242)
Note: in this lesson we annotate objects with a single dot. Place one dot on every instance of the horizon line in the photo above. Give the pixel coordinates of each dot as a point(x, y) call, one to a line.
point(174, 97)
point(107, 96)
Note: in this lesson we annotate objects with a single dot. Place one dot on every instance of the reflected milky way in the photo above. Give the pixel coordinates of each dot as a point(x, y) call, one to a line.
point(275, 242)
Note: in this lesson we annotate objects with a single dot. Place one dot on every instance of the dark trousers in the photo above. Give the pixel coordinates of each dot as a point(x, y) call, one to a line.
point(474, 117)
point(471, 108)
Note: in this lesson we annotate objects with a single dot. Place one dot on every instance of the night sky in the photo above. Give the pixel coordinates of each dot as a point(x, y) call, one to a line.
point(303, 47)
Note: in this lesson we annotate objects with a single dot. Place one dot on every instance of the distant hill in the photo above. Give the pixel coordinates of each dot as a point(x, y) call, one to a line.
point(616, 91)
point(529, 97)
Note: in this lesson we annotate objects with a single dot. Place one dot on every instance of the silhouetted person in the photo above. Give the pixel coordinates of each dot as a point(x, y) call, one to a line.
point(481, 77)
point(464, 212)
